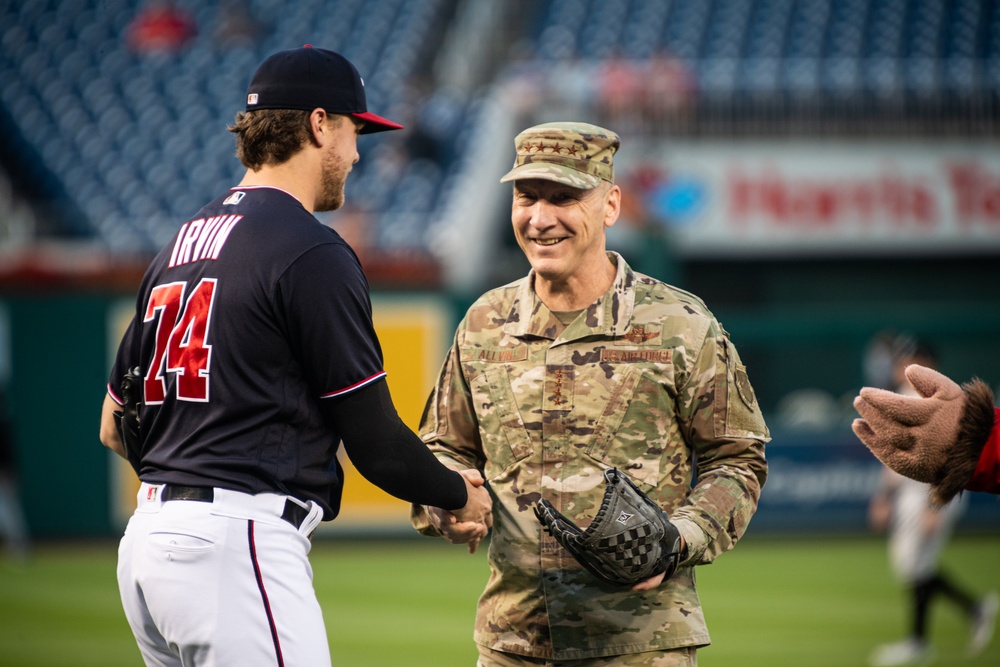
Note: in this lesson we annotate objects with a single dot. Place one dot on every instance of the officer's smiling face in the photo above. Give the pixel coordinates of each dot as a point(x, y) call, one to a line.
point(561, 229)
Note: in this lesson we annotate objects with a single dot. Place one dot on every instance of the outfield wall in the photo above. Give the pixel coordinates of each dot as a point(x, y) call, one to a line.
point(822, 482)
point(55, 351)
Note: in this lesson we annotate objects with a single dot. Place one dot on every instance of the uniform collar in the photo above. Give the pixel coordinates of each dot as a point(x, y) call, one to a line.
point(609, 315)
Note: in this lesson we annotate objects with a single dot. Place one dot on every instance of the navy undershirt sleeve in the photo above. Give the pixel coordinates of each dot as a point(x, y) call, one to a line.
point(387, 453)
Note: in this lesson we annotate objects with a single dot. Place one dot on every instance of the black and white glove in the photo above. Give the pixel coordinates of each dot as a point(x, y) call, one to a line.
point(630, 540)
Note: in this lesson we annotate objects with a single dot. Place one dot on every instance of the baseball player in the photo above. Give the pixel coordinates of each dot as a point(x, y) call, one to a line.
point(255, 357)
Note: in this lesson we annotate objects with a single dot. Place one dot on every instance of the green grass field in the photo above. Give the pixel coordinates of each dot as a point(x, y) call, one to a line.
point(771, 602)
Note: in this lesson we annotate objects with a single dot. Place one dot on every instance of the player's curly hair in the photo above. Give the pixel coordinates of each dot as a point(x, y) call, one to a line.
point(269, 136)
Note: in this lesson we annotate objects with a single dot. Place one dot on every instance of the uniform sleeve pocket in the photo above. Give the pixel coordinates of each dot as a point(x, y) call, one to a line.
point(742, 415)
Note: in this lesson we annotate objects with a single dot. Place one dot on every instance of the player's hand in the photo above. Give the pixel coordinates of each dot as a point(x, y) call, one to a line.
point(470, 524)
point(479, 507)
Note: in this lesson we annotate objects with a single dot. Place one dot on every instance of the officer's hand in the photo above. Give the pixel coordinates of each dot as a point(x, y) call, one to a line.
point(657, 579)
point(455, 531)
point(649, 584)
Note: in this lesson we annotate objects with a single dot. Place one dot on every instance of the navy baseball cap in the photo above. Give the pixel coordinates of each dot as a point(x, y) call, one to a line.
point(308, 78)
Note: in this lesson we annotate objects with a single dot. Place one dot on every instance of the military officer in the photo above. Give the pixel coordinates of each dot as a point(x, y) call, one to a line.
point(581, 366)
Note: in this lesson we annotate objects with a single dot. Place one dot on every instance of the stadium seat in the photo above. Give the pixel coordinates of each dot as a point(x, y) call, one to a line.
point(65, 72)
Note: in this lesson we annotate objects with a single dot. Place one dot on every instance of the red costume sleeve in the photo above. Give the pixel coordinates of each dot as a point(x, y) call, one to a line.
point(987, 475)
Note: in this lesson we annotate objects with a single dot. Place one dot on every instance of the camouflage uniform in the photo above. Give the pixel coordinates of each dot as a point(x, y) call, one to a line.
point(644, 380)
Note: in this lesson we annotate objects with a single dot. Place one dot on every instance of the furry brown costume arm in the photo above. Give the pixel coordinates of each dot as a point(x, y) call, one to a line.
point(936, 437)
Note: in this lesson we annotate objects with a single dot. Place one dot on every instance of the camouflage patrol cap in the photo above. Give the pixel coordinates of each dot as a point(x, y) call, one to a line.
point(577, 154)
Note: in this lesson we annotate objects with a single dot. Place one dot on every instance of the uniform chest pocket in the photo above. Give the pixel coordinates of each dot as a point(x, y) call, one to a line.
point(633, 431)
point(501, 427)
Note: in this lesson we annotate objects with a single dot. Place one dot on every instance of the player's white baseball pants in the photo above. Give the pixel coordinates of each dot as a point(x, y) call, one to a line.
point(225, 583)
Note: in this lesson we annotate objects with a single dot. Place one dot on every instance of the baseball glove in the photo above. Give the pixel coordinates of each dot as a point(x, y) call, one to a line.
point(630, 540)
point(127, 419)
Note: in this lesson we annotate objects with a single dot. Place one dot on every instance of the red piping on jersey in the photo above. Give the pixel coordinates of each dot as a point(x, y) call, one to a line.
point(356, 385)
point(263, 595)
point(114, 396)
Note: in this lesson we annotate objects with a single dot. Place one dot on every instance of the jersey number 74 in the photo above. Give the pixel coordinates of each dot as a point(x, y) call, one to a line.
point(182, 325)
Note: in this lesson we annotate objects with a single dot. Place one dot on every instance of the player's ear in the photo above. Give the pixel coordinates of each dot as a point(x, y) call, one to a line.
point(318, 125)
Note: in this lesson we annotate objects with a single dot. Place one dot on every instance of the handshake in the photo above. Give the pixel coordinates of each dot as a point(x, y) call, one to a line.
point(470, 524)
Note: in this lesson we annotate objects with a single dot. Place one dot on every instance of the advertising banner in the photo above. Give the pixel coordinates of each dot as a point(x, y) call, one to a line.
point(808, 197)
point(821, 482)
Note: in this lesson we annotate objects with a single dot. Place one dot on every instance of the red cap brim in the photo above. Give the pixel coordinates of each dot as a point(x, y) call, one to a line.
point(375, 123)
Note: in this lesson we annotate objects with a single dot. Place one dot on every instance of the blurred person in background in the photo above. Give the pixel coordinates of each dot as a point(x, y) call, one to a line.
point(878, 364)
point(583, 366)
point(918, 532)
point(161, 26)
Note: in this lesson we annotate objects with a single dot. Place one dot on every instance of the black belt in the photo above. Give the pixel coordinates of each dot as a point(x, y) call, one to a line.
point(294, 513)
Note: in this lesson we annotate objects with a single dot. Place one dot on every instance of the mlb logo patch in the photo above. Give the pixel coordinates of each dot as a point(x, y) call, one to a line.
point(234, 198)
point(252, 98)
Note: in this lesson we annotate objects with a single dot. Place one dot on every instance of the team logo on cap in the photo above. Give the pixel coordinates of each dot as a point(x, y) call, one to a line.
point(252, 98)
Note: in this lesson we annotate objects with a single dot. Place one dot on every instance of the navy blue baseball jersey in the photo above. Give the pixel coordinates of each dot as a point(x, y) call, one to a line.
point(245, 322)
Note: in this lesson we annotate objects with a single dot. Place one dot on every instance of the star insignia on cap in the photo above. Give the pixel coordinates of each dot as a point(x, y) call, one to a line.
point(553, 148)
